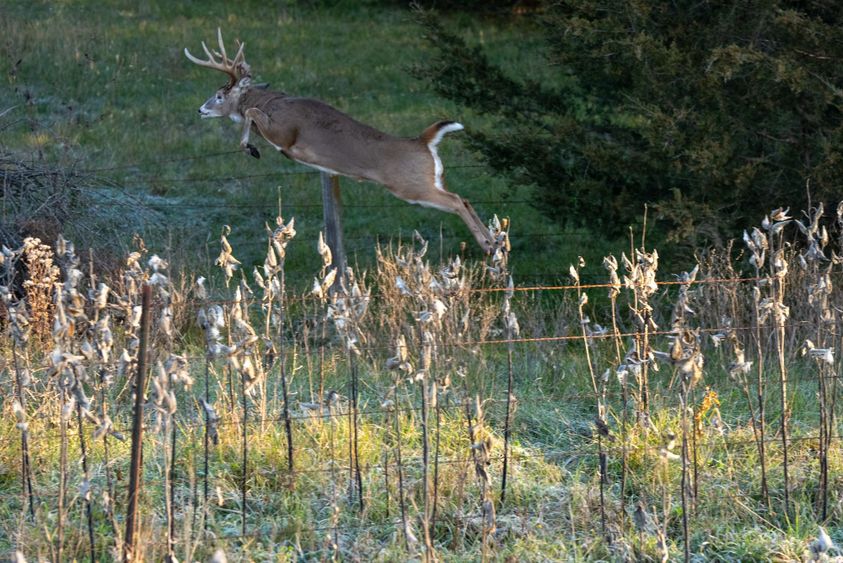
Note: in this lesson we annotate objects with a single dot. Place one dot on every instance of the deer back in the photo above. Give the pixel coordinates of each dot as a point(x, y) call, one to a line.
point(315, 133)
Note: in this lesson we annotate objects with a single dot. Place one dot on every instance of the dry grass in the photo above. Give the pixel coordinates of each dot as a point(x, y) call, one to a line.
point(392, 406)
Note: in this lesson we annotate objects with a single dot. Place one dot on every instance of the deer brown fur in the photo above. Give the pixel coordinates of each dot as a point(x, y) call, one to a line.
point(318, 135)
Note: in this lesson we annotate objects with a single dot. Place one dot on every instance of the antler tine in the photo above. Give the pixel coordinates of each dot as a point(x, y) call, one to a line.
point(233, 68)
point(195, 60)
point(239, 57)
point(210, 63)
point(210, 54)
point(222, 47)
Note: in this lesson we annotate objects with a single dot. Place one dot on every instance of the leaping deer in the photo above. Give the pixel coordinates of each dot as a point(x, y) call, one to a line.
point(313, 133)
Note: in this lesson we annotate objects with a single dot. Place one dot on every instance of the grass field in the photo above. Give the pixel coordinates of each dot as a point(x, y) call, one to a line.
point(634, 430)
point(115, 94)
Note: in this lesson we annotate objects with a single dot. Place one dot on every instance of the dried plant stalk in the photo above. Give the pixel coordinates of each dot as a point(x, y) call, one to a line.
point(687, 359)
point(21, 331)
point(130, 551)
point(758, 245)
point(600, 419)
point(210, 319)
point(274, 284)
point(611, 265)
point(481, 446)
point(62, 475)
point(819, 289)
point(780, 313)
point(20, 413)
point(641, 279)
point(86, 484)
point(511, 330)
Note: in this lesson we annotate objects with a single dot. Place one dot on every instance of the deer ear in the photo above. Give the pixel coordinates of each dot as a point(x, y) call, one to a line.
point(244, 82)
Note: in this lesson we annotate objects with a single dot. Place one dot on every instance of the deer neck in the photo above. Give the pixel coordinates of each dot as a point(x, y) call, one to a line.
point(255, 98)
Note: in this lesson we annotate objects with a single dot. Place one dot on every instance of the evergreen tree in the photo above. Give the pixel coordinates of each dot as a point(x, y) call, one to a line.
point(712, 112)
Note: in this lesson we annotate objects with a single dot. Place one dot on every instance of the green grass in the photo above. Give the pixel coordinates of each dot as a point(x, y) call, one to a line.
point(115, 91)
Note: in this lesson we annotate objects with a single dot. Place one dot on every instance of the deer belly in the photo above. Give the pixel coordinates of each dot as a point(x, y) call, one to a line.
point(307, 158)
point(321, 168)
point(429, 204)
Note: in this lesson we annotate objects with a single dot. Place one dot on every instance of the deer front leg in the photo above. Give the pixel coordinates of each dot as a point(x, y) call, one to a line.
point(278, 134)
point(248, 119)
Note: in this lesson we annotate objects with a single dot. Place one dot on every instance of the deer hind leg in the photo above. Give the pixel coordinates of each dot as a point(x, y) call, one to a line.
point(469, 216)
point(452, 203)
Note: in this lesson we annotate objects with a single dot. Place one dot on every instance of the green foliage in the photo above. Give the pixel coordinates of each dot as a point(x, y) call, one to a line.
point(499, 7)
point(712, 112)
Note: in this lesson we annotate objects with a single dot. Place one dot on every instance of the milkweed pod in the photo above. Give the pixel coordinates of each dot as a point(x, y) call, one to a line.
point(279, 250)
point(156, 263)
point(258, 278)
point(328, 281)
point(18, 411)
point(67, 408)
point(316, 290)
point(324, 251)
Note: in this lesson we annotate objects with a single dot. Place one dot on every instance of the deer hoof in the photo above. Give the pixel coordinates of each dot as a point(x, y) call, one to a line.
point(253, 150)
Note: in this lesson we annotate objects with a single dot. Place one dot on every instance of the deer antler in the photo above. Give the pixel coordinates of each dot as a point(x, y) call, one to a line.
point(235, 69)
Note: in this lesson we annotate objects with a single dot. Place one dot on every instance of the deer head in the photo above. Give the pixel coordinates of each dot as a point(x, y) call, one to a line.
point(225, 101)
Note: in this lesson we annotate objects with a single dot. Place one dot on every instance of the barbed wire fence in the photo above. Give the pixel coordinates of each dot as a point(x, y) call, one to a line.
point(580, 446)
point(136, 182)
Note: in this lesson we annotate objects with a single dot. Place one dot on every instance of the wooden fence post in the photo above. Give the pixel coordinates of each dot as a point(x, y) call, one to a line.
point(332, 213)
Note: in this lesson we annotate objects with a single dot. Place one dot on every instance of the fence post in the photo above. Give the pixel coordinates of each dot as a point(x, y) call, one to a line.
point(332, 213)
point(137, 432)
